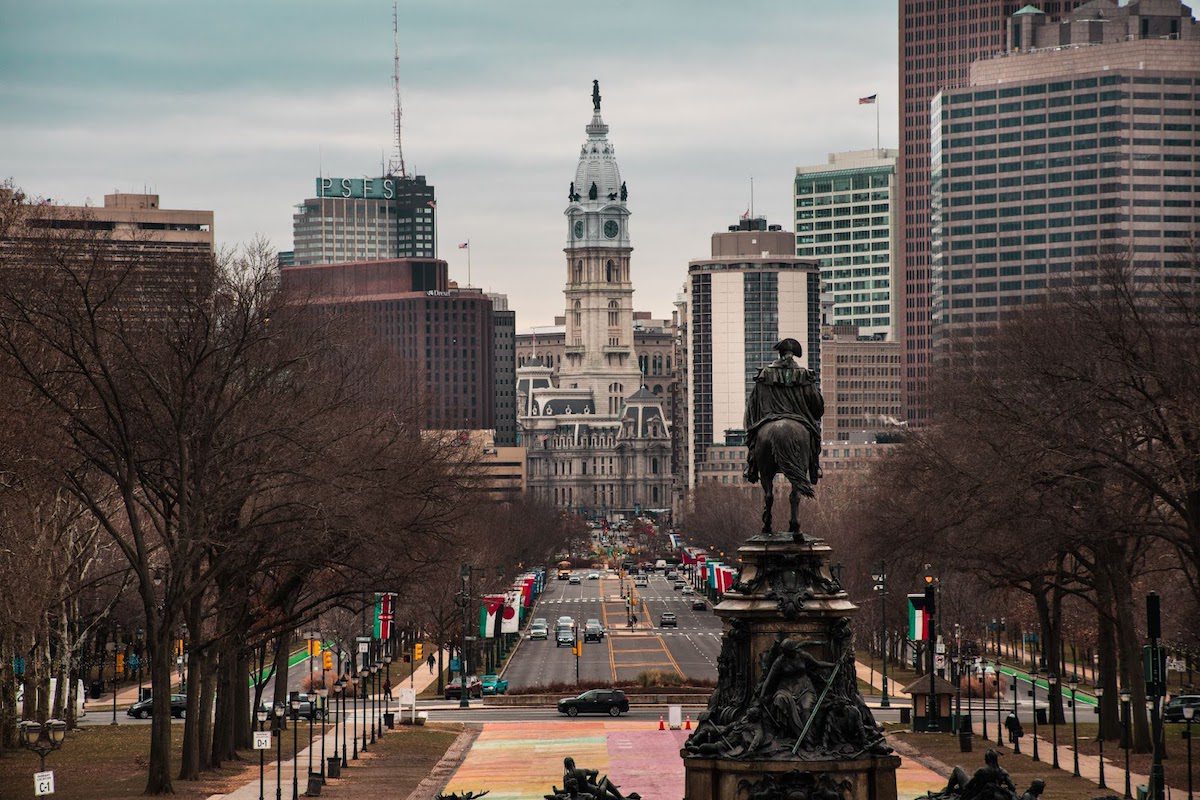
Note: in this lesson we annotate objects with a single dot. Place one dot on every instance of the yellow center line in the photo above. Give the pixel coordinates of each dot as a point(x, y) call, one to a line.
point(612, 663)
point(670, 657)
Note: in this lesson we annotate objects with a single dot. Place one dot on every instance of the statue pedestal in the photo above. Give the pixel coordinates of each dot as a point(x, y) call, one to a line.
point(786, 719)
point(871, 778)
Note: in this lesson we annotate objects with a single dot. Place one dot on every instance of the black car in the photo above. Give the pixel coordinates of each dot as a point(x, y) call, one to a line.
point(667, 620)
point(699, 605)
point(145, 708)
point(310, 707)
point(593, 632)
point(1173, 712)
point(595, 701)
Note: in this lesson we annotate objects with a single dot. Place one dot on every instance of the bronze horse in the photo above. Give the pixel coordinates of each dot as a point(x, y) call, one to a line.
point(784, 446)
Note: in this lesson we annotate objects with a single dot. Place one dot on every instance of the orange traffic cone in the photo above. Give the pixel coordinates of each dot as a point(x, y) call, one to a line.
point(661, 725)
point(687, 725)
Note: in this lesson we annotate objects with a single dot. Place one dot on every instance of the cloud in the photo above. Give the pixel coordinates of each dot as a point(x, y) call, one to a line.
point(237, 108)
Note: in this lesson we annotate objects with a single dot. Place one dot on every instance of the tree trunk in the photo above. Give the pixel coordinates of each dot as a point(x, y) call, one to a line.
point(283, 647)
point(1106, 649)
point(243, 716)
point(158, 774)
point(204, 732)
point(1129, 650)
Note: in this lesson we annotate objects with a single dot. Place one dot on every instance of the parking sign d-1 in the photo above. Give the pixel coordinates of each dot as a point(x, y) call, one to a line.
point(262, 740)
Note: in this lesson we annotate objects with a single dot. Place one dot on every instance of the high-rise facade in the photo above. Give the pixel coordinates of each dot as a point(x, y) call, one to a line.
point(860, 380)
point(845, 218)
point(443, 334)
point(753, 291)
point(1077, 142)
point(365, 219)
point(505, 349)
point(938, 41)
point(597, 440)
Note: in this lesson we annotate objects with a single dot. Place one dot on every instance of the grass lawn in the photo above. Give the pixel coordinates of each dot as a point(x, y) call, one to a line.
point(899, 675)
point(1060, 785)
point(395, 764)
point(1174, 765)
point(98, 761)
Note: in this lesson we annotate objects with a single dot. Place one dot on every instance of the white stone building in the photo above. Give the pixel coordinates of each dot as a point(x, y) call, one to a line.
point(597, 441)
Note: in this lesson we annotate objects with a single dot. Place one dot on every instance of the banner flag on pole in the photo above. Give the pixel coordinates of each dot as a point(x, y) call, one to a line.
point(510, 622)
point(385, 613)
point(918, 621)
point(489, 615)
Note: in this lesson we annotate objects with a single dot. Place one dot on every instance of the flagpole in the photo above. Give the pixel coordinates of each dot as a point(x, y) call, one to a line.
point(468, 263)
point(877, 126)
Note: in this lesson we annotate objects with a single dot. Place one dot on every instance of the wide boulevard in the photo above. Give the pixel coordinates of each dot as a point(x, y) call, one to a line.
point(689, 650)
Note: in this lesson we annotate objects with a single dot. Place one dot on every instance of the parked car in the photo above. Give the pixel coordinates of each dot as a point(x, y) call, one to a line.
point(306, 706)
point(145, 708)
point(574, 581)
point(1173, 712)
point(564, 636)
point(593, 576)
point(667, 620)
point(699, 605)
point(494, 684)
point(595, 701)
point(593, 631)
point(539, 630)
point(454, 687)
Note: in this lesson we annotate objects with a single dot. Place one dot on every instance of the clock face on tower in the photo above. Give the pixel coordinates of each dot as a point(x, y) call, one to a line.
point(611, 228)
point(579, 229)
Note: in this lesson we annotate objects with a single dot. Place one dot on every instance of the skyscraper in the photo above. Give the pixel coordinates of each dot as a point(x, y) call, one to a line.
point(597, 441)
point(1077, 142)
point(845, 216)
point(365, 219)
point(504, 322)
point(752, 292)
point(938, 41)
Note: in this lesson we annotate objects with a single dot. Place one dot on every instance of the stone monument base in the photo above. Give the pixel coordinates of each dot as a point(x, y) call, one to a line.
point(868, 778)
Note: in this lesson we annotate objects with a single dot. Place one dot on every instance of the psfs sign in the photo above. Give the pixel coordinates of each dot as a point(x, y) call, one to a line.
point(365, 188)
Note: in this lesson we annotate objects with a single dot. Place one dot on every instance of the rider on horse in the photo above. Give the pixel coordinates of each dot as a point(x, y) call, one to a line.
point(785, 390)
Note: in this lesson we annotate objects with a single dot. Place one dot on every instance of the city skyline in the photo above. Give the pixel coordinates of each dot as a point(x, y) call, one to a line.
point(242, 112)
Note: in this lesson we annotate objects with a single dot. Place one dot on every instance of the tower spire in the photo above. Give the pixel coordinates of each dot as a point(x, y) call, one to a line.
point(396, 166)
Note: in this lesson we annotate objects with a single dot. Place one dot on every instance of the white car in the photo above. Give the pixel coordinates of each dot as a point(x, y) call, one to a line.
point(686, 590)
point(593, 576)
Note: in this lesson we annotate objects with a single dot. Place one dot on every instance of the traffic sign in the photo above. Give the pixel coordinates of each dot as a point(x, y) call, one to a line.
point(939, 661)
point(43, 782)
point(454, 665)
point(364, 647)
point(262, 740)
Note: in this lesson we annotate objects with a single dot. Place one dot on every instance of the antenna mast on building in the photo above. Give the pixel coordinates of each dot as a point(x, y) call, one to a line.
point(396, 167)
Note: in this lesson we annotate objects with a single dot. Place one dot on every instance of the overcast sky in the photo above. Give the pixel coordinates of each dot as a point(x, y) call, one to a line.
point(232, 105)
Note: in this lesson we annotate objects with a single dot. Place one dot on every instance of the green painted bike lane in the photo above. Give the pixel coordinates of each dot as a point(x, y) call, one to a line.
point(265, 674)
point(1083, 697)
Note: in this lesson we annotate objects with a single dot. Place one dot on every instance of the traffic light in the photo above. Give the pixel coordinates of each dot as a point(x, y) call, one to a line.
point(314, 647)
point(120, 662)
point(327, 660)
point(418, 651)
point(179, 648)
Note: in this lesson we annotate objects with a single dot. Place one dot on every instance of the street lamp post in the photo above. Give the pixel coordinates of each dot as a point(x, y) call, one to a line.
point(1052, 683)
point(112, 648)
point(1189, 712)
point(931, 640)
point(375, 703)
point(364, 675)
point(1100, 732)
point(1074, 684)
point(278, 724)
point(141, 656)
point(1033, 676)
point(353, 716)
point(1125, 697)
point(323, 697)
point(881, 588)
point(464, 574)
point(42, 739)
point(1016, 687)
point(996, 685)
point(261, 715)
point(294, 702)
point(956, 677)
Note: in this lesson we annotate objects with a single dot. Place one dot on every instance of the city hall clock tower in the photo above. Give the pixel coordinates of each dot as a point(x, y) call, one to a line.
point(599, 351)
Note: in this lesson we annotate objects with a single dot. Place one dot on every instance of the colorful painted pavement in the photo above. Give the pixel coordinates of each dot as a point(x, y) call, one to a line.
point(520, 760)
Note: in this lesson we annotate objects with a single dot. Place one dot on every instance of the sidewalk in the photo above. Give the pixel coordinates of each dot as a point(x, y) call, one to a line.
point(420, 679)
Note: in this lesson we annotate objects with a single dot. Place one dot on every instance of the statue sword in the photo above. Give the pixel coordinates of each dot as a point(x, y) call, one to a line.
point(817, 707)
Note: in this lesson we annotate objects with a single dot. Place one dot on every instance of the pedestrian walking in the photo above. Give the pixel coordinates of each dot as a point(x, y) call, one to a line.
point(387, 688)
point(431, 661)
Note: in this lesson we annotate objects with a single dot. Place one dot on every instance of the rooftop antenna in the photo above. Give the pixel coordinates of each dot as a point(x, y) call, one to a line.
point(751, 197)
point(396, 167)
